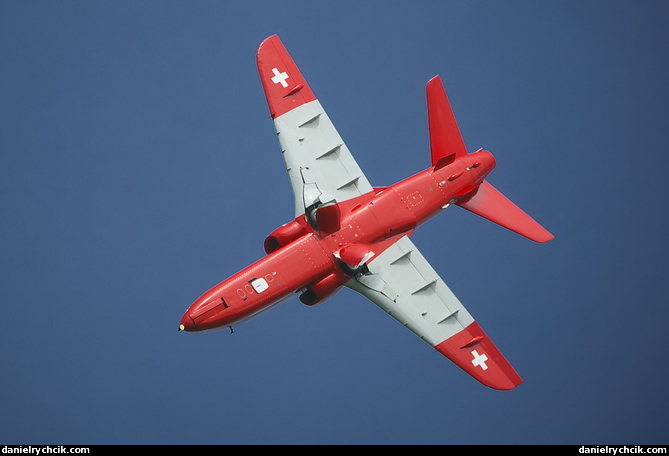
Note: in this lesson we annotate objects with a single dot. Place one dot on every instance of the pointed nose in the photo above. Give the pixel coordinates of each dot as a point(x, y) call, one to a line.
point(207, 313)
point(187, 323)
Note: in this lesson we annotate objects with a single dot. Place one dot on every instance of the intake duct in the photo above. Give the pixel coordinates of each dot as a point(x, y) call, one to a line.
point(283, 235)
point(322, 290)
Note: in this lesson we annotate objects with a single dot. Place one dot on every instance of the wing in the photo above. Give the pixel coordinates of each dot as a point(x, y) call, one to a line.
point(403, 284)
point(320, 166)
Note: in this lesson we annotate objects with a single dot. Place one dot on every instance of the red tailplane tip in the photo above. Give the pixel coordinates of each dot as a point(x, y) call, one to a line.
point(490, 203)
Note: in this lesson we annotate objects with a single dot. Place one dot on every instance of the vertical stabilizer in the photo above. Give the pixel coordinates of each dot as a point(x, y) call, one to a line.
point(445, 137)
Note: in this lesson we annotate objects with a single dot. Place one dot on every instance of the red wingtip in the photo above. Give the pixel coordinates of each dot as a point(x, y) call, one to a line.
point(473, 351)
point(285, 87)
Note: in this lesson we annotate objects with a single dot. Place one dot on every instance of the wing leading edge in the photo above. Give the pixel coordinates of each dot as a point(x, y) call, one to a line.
point(403, 284)
point(320, 166)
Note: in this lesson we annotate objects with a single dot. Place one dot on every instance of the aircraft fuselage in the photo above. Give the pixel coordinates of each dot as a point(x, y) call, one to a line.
point(319, 255)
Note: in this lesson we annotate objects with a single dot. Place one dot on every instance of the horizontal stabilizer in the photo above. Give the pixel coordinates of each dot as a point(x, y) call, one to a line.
point(489, 203)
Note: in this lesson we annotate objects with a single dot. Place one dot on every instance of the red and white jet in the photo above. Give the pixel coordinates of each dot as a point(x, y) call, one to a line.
point(348, 233)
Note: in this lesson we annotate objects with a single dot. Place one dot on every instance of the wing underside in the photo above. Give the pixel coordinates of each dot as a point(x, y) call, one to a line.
point(320, 166)
point(400, 280)
point(404, 285)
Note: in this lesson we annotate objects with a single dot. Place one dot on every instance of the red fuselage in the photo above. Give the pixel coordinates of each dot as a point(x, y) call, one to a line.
point(310, 260)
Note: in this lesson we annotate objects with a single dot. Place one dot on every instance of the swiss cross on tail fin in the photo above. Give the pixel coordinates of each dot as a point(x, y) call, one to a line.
point(285, 87)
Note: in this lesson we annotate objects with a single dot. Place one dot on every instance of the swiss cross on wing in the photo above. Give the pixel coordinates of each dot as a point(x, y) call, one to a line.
point(479, 360)
point(280, 77)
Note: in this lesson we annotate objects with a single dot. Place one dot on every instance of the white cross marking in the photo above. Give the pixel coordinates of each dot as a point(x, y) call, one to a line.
point(279, 78)
point(479, 360)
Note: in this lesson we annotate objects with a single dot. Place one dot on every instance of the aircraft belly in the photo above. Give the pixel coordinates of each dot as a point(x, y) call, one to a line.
point(302, 262)
point(286, 271)
point(263, 284)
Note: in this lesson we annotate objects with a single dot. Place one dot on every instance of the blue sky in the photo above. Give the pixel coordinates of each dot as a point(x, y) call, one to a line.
point(139, 167)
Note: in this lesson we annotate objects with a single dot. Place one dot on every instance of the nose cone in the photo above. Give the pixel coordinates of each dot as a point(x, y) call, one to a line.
point(187, 323)
point(207, 313)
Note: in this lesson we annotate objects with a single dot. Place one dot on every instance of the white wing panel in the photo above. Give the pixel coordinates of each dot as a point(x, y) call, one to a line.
point(404, 285)
point(319, 164)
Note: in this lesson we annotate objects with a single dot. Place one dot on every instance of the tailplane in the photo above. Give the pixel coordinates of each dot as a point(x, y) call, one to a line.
point(490, 203)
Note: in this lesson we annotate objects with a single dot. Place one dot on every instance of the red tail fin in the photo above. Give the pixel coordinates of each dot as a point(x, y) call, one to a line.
point(489, 203)
point(445, 138)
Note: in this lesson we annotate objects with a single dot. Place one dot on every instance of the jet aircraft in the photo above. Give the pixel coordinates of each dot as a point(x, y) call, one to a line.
point(347, 233)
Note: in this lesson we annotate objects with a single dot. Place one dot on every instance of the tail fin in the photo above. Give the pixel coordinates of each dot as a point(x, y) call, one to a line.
point(446, 143)
point(488, 202)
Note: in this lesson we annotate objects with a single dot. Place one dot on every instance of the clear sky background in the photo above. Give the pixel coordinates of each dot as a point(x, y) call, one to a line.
point(139, 167)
